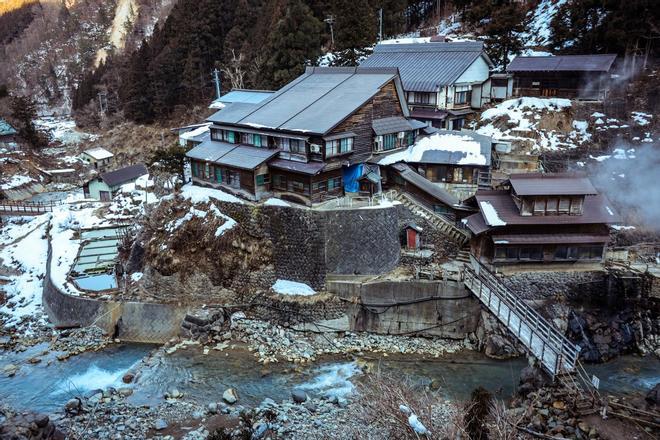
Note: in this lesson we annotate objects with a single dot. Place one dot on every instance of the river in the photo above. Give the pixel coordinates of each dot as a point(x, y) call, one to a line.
point(46, 386)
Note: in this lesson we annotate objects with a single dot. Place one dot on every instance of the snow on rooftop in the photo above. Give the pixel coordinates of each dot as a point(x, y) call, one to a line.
point(98, 153)
point(286, 287)
point(198, 194)
point(407, 40)
point(440, 142)
point(641, 118)
point(490, 214)
point(195, 132)
point(217, 105)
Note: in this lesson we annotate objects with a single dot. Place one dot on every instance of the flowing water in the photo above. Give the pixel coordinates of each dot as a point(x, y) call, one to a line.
point(203, 378)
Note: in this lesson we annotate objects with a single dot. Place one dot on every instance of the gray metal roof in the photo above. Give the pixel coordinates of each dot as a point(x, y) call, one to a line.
point(559, 184)
point(426, 66)
point(565, 63)
point(124, 175)
point(424, 184)
point(246, 157)
point(232, 155)
point(315, 102)
point(311, 168)
point(245, 96)
point(393, 124)
point(210, 151)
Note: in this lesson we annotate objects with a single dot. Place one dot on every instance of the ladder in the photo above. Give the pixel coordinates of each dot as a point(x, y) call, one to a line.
point(554, 351)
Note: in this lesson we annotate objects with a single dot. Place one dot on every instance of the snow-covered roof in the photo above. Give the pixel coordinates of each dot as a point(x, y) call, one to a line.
point(194, 133)
point(446, 147)
point(6, 129)
point(98, 153)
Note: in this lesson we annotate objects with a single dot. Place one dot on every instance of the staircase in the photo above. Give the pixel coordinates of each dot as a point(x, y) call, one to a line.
point(555, 352)
point(463, 254)
point(445, 226)
point(484, 180)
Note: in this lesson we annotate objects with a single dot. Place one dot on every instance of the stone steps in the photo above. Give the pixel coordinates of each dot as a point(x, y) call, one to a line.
point(442, 225)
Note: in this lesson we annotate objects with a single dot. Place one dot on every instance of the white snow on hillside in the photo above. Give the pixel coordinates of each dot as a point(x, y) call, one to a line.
point(198, 194)
point(440, 142)
point(538, 29)
point(15, 181)
point(286, 287)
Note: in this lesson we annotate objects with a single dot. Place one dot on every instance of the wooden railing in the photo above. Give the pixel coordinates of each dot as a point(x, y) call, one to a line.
point(17, 207)
point(554, 351)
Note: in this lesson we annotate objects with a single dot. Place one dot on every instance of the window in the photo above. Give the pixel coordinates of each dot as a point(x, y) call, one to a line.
point(457, 124)
point(338, 146)
point(539, 206)
point(297, 146)
point(216, 135)
point(551, 206)
point(512, 253)
point(263, 179)
point(282, 143)
point(462, 95)
point(334, 183)
point(389, 141)
point(256, 140)
point(297, 186)
point(207, 171)
point(564, 205)
point(230, 136)
point(218, 175)
point(576, 205)
point(319, 187)
point(195, 168)
point(500, 253)
point(410, 138)
point(531, 253)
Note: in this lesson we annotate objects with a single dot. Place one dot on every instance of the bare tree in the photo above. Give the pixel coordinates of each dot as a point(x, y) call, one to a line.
point(234, 70)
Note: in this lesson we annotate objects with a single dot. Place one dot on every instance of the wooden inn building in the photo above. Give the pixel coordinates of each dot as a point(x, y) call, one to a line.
point(307, 142)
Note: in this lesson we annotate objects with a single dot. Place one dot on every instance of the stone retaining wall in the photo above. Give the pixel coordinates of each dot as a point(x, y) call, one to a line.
point(543, 285)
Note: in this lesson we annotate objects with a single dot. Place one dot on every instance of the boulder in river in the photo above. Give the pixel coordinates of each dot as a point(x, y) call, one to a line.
point(73, 406)
point(230, 396)
point(160, 424)
point(653, 396)
point(298, 396)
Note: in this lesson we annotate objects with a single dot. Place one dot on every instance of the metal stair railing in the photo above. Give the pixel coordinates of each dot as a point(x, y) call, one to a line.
point(27, 208)
point(555, 352)
point(459, 235)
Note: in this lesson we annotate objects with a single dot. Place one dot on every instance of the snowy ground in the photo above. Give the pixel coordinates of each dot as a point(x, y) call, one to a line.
point(63, 130)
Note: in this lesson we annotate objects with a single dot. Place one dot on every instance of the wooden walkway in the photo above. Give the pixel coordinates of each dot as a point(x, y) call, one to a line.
point(542, 340)
point(21, 208)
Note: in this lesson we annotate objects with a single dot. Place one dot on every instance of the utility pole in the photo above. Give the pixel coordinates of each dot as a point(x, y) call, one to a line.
point(331, 20)
point(216, 80)
point(380, 26)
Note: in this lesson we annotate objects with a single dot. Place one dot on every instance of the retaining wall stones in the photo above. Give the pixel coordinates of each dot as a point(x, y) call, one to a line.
point(433, 308)
point(543, 285)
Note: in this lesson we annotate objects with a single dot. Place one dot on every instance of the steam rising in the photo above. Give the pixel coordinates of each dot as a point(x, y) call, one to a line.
point(630, 178)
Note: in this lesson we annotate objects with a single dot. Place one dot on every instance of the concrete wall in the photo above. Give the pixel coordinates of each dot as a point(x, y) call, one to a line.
point(128, 321)
point(436, 308)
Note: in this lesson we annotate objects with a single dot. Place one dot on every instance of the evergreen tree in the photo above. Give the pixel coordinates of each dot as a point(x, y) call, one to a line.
point(503, 33)
point(294, 43)
point(136, 90)
point(355, 29)
point(24, 112)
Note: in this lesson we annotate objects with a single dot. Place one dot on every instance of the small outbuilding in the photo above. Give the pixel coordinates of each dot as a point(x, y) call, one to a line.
point(105, 185)
point(412, 236)
point(100, 158)
point(7, 132)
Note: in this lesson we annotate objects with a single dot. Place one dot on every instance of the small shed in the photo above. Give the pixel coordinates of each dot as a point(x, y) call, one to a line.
point(411, 236)
point(105, 185)
point(98, 157)
point(7, 132)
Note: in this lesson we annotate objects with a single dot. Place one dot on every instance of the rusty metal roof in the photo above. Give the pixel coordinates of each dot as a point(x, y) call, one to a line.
point(550, 239)
point(476, 223)
point(310, 168)
point(551, 184)
point(434, 190)
point(563, 63)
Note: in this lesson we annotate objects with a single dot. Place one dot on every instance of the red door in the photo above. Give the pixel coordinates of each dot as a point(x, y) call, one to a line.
point(412, 238)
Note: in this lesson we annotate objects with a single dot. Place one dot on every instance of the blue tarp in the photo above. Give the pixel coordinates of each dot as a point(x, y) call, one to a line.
point(351, 176)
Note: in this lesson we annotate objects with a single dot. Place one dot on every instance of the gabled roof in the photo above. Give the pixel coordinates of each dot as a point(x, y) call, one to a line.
point(124, 175)
point(98, 153)
point(245, 96)
point(6, 129)
point(563, 63)
point(395, 124)
point(425, 67)
point(551, 184)
point(315, 102)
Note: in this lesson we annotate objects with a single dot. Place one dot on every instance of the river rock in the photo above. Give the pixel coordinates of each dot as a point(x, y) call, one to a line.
point(653, 396)
point(230, 396)
point(298, 396)
point(128, 377)
point(125, 392)
point(41, 420)
point(73, 406)
point(213, 408)
point(435, 385)
point(173, 394)
point(160, 425)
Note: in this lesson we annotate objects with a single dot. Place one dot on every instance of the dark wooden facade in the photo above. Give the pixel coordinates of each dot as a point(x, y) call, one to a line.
point(306, 189)
point(251, 184)
point(561, 84)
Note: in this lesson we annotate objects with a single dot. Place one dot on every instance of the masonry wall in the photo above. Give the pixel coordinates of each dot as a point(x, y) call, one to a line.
point(539, 285)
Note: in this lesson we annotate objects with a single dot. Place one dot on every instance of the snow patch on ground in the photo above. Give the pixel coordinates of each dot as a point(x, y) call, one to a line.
point(276, 202)
point(641, 118)
point(198, 194)
point(286, 287)
point(538, 30)
point(15, 181)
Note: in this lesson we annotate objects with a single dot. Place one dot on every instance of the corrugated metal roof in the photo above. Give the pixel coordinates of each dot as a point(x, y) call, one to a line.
point(245, 157)
point(551, 184)
point(596, 209)
point(425, 185)
point(476, 223)
point(123, 175)
point(549, 239)
point(310, 168)
point(565, 63)
point(393, 124)
point(439, 115)
point(425, 67)
point(315, 102)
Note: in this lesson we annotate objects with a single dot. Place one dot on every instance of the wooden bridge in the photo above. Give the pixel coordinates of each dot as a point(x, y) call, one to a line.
point(554, 351)
point(22, 208)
